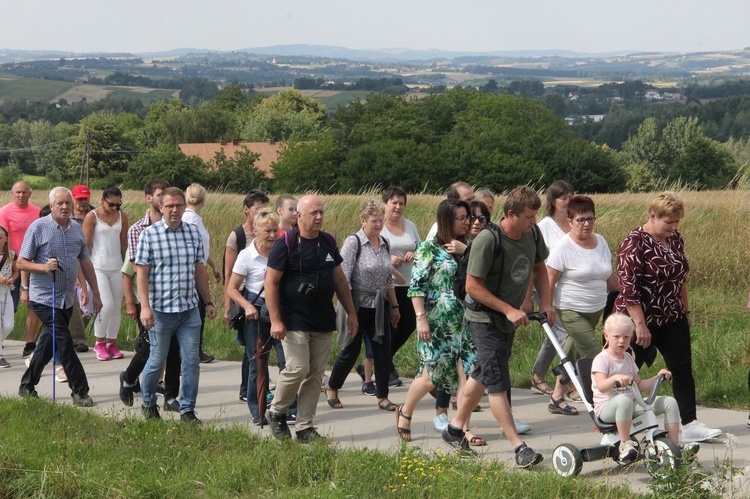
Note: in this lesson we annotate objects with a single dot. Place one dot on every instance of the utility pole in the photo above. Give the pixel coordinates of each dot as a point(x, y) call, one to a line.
point(85, 161)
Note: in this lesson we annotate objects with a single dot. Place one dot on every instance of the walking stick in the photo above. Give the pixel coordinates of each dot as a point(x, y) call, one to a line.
point(54, 346)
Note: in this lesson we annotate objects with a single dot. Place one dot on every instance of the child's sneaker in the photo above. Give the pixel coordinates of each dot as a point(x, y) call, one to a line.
point(628, 452)
point(101, 351)
point(113, 352)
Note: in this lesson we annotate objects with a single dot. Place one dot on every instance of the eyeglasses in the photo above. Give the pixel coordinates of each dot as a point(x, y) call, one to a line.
point(462, 219)
point(172, 207)
point(583, 221)
point(481, 218)
point(113, 205)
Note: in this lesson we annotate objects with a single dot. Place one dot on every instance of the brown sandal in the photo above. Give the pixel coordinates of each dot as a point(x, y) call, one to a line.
point(403, 433)
point(335, 402)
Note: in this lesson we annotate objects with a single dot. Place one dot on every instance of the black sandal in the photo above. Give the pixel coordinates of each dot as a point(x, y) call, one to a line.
point(387, 405)
point(403, 433)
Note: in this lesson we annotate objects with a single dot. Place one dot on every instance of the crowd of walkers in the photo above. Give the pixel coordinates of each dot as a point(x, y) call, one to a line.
point(281, 271)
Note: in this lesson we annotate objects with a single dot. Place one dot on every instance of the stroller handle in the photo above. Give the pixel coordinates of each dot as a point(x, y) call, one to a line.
point(538, 316)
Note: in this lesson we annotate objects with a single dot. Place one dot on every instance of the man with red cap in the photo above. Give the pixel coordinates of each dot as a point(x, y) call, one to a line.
point(79, 321)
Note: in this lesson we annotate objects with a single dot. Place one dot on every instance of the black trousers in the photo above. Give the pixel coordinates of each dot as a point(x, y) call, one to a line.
point(381, 353)
point(673, 342)
point(142, 351)
point(406, 324)
point(64, 350)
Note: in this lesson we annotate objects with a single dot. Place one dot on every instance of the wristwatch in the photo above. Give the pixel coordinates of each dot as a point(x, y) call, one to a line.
point(24, 288)
point(420, 314)
point(618, 384)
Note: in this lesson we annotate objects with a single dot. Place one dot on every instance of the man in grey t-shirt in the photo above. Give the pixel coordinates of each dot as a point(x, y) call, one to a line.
point(499, 284)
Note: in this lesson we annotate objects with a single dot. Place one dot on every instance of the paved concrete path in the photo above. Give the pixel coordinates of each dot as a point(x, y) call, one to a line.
point(361, 424)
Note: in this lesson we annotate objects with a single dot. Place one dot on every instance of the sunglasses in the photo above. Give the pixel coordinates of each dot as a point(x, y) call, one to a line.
point(113, 205)
point(481, 218)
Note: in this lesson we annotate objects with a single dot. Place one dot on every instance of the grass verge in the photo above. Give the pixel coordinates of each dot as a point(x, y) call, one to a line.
point(66, 452)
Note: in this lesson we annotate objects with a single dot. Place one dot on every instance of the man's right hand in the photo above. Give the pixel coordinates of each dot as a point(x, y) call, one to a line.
point(517, 317)
point(147, 317)
point(278, 330)
point(52, 265)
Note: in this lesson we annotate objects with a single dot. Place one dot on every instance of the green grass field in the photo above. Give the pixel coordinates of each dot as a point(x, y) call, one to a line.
point(33, 89)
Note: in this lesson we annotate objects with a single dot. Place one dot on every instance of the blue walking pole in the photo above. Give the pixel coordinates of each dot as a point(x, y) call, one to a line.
point(54, 346)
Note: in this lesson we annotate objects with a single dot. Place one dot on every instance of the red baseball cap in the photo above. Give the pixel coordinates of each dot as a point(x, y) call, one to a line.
point(80, 191)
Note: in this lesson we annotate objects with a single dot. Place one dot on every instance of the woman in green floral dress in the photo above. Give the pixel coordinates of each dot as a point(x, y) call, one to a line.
point(445, 348)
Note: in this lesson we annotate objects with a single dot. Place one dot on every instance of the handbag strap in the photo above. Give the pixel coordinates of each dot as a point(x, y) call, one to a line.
point(258, 295)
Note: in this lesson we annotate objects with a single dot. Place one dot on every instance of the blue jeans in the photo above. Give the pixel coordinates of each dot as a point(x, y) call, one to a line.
point(186, 327)
point(250, 333)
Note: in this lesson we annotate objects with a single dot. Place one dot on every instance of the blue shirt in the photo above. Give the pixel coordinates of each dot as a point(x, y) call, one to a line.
point(45, 239)
point(171, 256)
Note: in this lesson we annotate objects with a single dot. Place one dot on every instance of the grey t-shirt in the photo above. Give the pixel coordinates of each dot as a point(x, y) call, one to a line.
point(510, 282)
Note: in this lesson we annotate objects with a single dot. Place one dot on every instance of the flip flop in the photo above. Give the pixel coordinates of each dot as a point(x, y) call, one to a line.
point(403, 433)
point(390, 406)
point(555, 408)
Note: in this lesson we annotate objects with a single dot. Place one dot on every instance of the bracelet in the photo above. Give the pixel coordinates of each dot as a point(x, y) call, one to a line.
point(394, 306)
point(420, 314)
point(209, 303)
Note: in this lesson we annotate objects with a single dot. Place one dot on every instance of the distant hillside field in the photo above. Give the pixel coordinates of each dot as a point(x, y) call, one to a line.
point(37, 89)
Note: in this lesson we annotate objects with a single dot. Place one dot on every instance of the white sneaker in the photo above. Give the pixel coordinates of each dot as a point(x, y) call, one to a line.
point(27, 361)
point(60, 375)
point(695, 431)
point(521, 428)
point(440, 422)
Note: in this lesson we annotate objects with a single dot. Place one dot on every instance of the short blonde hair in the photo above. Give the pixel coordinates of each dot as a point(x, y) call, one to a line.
point(195, 194)
point(619, 320)
point(371, 207)
point(667, 204)
point(265, 217)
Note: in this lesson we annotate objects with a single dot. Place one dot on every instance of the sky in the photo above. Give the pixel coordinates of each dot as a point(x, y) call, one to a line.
point(457, 25)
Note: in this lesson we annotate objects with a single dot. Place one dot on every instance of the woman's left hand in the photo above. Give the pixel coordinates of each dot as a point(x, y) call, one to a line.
point(217, 274)
point(409, 257)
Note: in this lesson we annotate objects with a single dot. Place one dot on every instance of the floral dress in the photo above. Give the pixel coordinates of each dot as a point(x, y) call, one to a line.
point(6, 301)
point(432, 278)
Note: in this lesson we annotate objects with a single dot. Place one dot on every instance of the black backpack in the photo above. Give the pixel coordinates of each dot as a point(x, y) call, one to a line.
point(459, 280)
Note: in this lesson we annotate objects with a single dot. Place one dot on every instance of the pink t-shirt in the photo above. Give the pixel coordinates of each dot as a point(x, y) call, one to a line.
point(17, 220)
point(605, 363)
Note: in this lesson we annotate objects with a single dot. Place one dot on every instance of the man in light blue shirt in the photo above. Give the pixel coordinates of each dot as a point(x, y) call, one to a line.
point(51, 252)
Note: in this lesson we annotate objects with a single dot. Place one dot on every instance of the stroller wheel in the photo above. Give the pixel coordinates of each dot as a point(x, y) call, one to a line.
point(567, 460)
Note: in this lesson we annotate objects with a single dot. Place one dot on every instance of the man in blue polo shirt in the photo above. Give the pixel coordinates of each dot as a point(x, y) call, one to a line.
point(169, 267)
point(51, 252)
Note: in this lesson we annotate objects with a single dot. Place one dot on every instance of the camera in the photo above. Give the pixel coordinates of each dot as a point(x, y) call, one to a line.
point(307, 289)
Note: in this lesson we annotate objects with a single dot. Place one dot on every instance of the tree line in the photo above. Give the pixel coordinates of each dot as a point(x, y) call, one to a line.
point(495, 140)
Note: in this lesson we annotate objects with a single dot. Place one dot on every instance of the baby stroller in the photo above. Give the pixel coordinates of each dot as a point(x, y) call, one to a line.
point(658, 451)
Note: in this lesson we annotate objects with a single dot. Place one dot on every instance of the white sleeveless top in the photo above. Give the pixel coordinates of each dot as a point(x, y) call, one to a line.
point(106, 252)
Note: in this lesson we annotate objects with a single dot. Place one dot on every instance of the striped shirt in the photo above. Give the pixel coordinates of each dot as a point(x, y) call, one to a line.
point(171, 256)
point(45, 239)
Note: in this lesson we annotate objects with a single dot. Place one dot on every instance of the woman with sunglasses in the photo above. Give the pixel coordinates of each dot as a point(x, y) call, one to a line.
point(580, 276)
point(106, 232)
point(480, 215)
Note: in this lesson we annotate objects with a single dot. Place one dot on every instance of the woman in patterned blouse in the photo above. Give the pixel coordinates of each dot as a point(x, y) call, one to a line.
point(652, 268)
point(445, 348)
point(367, 266)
